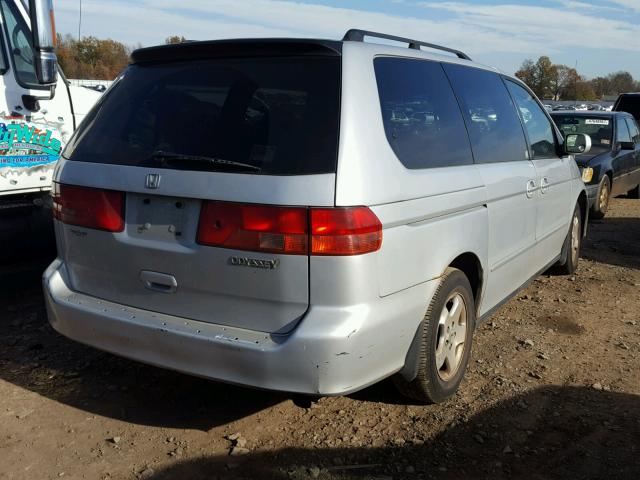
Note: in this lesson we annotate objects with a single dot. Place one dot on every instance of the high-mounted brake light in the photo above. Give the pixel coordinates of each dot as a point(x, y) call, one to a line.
point(289, 230)
point(89, 207)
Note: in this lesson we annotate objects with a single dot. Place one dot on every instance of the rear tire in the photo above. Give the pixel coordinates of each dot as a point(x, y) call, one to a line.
point(572, 245)
point(599, 209)
point(634, 192)
point(446, 335)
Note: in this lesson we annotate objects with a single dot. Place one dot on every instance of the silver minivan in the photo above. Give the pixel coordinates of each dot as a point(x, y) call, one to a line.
point(307, 215)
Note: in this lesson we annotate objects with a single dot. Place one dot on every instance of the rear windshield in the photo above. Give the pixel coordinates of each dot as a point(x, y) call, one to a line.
point(278, 116)
point(630, 104)
point(600, 129)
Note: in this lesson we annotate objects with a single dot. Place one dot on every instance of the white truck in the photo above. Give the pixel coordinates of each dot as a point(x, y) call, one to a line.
point(39, 111)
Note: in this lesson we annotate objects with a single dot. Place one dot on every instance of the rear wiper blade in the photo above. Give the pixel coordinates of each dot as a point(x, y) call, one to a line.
point(183, 157)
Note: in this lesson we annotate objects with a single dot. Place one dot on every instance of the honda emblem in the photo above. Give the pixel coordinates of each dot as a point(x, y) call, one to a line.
point(152, 181)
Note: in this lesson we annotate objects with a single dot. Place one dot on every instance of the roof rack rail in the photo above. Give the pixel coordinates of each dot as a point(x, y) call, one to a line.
point(355, 35)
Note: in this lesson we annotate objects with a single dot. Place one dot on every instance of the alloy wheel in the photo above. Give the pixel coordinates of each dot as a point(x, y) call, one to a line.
point(604, 196)
point(452, 333)
point(575, 239)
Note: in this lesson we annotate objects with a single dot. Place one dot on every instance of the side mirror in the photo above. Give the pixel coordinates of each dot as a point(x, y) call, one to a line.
point(577, 143)
point(43, 30)
point(627, 145)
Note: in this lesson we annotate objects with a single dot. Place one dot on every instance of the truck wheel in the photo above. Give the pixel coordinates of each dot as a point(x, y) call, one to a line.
point(634, 192)
point(445, 341)
point(572, 245)
point(599, 209)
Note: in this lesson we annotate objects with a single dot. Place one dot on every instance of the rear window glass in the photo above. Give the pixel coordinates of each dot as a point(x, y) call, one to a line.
point(630, 104)
point(623, 134)
point(633, 129)
point(494, 127)
point(600, 128)
point(277, 115)
point(422, 119)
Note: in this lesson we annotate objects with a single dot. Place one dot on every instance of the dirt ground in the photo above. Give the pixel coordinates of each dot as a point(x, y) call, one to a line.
point(552, 391)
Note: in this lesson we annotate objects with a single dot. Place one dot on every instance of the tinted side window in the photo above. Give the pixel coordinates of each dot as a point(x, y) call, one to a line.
point(20, 41)
point(633, 128)
point(494, 127)
point(536, 123)
point(623, 134)
point(421, 117)
point(4, 65)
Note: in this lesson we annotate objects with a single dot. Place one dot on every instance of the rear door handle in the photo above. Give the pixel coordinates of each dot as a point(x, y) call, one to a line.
point(544, 185)
point(531, 188)
point(158, 282)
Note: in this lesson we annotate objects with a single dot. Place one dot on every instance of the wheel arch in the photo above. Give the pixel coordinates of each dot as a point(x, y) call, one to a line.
point(583, 203)
point(468, 263)
point(608, 172)
point(603, 168)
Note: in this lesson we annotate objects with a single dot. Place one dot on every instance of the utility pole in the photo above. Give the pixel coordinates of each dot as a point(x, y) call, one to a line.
point(80, 21)
point(575, 86)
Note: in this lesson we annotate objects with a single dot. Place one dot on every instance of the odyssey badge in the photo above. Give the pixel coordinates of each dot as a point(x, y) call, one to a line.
point(253, 262)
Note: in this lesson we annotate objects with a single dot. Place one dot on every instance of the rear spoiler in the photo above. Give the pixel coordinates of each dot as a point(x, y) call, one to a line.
point(272, 47)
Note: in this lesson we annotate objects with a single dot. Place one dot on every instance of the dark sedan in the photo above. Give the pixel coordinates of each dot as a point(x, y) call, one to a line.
point(612, 167)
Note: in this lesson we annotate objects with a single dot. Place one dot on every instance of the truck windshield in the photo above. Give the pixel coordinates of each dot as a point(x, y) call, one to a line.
point(276, 115)
point(600, 128)
point(20, 45)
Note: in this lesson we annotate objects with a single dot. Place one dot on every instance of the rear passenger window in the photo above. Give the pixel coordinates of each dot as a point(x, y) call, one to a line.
point(494, 127)
point(421, 117)
point(623, 134)
point(633, 129)
point(536, 123)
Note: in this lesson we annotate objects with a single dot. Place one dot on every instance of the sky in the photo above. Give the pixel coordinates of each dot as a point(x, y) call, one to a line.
point(600, 36)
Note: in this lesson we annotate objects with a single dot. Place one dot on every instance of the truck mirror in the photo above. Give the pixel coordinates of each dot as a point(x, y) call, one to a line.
point(43, 29)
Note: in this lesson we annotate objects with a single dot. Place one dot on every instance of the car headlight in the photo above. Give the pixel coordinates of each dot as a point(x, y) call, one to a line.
point(587, 174)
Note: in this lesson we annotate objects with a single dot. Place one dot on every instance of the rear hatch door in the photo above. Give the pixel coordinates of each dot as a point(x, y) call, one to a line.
point(187, 126)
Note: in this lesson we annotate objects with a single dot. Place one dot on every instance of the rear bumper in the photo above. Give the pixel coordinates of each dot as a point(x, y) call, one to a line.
point(333, 351)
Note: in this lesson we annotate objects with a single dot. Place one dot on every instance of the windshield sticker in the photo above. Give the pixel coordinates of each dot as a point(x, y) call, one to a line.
point(27, 145)
point(596, 121)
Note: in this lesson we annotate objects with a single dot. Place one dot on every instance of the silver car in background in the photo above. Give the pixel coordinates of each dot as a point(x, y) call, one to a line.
point(308, 215)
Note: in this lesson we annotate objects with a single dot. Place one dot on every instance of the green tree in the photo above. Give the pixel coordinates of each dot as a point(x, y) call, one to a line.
point(561, 82)
point(601, 86)
point(175, 39)
point(91, 58)
point(621, 82)
point(584, 91)
point(527, 73)
point(539, 76)
point(564, 77)
point(545, 73)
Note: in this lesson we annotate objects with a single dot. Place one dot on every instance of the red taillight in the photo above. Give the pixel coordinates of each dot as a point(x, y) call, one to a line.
point(254, 227)
point(344, 231)
point(285, 230)
point(89, 207)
